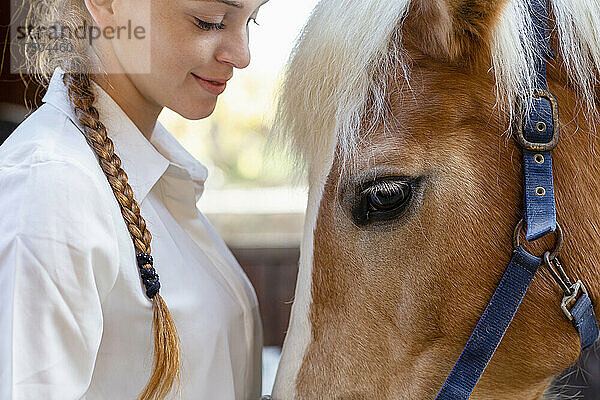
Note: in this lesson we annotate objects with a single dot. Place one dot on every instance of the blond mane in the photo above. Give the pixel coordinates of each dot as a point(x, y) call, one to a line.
point(336, 72)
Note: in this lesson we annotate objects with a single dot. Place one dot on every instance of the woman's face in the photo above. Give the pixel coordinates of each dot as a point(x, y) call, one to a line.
point(188, 44)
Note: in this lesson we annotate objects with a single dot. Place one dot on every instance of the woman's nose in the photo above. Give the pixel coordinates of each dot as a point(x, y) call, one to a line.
point(234, 50)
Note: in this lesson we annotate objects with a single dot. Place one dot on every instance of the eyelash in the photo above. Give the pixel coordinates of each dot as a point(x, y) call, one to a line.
point(208, 26)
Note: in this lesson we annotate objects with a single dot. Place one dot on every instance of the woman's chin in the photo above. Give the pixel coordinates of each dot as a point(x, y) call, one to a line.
point(200, 111)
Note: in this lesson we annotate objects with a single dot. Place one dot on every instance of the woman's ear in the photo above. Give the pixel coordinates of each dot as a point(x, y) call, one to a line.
point(101, 11)
point(452, 29)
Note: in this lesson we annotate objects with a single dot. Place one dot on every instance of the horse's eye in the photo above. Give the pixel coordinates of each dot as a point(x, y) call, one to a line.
point(387, 195)
point(383, 199)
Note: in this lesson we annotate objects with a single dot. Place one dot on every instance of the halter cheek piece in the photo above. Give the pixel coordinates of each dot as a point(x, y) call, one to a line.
point(537, 135)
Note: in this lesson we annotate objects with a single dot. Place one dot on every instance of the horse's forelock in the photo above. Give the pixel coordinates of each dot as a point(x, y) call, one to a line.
point(337, 72)
point(345, 51)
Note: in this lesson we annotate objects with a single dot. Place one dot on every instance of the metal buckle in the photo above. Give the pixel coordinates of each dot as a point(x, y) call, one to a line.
point(539, 93)
point(568, 299)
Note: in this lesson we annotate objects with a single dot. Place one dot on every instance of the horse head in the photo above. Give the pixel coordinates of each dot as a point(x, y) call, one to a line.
point(404, 115)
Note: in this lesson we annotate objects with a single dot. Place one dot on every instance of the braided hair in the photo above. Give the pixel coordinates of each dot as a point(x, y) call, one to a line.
point(166, 368)
point(41, 64)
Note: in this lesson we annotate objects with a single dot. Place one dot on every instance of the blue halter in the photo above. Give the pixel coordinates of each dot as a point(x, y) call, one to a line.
point(537, 135)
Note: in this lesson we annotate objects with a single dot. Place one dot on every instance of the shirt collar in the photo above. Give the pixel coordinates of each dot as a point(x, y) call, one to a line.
point(144, 161)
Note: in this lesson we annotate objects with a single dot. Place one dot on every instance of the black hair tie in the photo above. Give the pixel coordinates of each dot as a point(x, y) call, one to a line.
point(148, 274)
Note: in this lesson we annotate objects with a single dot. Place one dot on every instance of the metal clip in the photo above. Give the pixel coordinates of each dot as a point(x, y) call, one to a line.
point(557, 271)
point(571, 290)
point(570, 298)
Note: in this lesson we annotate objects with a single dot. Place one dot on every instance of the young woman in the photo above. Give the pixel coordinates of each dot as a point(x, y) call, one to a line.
point(99, 229)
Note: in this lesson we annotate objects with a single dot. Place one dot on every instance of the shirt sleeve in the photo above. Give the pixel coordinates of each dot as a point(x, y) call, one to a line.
point(58, 261)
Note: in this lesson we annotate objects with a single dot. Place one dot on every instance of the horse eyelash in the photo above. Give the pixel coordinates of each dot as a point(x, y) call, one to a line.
point(207, 26)
point(387, 186)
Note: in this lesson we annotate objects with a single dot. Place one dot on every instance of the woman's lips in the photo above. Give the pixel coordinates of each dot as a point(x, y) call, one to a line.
point(211, 87)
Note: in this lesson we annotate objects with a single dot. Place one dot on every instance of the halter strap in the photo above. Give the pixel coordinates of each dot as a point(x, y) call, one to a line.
point(491, 327)
point(537, 133)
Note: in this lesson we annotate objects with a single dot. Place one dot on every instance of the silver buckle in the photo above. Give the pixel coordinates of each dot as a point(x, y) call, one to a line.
point(574, 294)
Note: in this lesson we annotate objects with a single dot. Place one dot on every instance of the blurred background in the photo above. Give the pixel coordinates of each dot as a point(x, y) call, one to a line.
point(252, 195)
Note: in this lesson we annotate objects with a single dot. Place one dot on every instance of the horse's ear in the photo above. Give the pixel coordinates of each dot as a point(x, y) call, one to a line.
point(452, 29)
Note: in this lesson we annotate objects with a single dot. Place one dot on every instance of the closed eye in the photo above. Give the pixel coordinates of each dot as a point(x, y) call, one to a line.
point(208, 26)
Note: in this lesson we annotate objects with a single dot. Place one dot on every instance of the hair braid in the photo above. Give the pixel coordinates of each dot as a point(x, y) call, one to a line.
point(166, 368)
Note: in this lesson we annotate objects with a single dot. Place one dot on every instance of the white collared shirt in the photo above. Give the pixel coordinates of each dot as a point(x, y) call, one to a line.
point(74, 319)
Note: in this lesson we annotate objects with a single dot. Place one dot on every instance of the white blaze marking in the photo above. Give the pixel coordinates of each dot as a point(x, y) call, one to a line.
point(299, 330)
